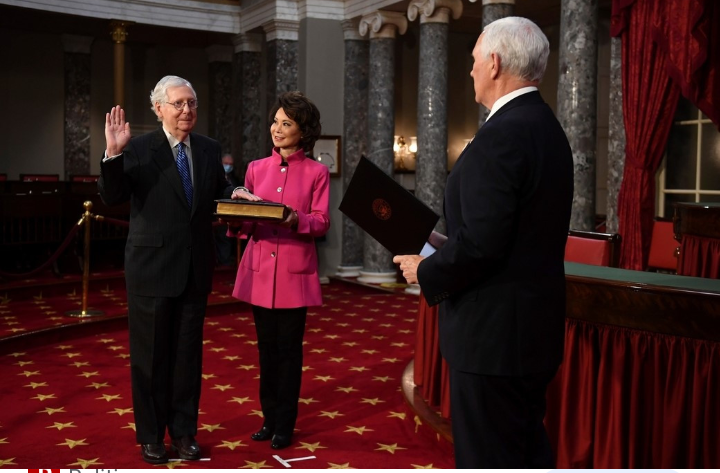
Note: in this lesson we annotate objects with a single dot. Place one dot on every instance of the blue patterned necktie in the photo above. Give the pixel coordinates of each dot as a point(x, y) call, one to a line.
point(184, 170)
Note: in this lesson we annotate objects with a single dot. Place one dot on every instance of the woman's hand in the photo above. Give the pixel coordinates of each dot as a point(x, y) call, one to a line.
point(242, 193)
point(292, 219)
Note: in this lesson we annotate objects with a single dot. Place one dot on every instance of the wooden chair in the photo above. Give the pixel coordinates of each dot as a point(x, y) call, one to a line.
point(39, 177)
point(599, 249)
point(664, 248)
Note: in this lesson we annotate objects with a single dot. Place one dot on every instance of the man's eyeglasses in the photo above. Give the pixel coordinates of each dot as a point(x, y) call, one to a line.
point(192, 104)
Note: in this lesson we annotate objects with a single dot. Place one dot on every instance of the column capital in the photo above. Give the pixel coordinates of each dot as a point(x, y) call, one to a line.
point(383, 24)
point(76, 44)
point(118, 30)
point(351, 29)
point(434, 11)
point(281, 29)
point(491, 2)
point(248, 43)
point(219, 53)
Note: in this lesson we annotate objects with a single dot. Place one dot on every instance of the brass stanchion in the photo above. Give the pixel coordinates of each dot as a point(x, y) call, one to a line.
point(87, 216)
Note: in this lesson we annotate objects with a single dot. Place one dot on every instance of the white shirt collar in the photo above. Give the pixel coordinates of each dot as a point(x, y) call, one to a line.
point(174, 141)
point(508, 97)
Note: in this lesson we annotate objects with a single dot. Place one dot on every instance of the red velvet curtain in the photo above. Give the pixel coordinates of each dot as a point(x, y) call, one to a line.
point(632, 399)
point(699, 257)
point(668, 47)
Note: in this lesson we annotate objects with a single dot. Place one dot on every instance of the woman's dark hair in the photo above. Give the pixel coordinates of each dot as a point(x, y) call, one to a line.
point(303, 112)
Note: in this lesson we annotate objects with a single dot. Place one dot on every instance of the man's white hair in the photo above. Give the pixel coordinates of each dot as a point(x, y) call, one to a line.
point(522, 46)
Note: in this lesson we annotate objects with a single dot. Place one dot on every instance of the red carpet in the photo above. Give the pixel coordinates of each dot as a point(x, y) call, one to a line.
point(71, 402)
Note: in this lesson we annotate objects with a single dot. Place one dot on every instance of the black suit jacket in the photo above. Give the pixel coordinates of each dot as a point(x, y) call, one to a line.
point(500, 274)
point(167, 239)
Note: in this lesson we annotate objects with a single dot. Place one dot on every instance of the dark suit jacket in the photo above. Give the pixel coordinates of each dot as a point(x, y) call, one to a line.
point(500, 274)
point(166, 238)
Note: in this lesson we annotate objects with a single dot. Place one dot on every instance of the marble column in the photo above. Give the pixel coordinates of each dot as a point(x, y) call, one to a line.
point(616, 135)
point(432, 133)
point(493, 10)
point(77, 67)
point(282, 63)
point(577, 101)
point(383, 27)
point(219, 107)
point(248, 116)
point(119, 34)
point(355, 135)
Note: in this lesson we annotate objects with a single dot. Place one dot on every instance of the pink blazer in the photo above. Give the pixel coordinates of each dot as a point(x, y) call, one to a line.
point(279, 267)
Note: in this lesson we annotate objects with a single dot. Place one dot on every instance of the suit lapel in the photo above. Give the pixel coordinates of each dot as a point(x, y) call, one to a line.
point(163, 157)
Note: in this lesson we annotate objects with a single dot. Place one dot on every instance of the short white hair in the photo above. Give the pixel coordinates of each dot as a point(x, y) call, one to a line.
point(522, 46)
point(159, 93)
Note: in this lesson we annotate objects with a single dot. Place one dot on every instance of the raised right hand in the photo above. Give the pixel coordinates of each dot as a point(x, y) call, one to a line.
point(117, 131)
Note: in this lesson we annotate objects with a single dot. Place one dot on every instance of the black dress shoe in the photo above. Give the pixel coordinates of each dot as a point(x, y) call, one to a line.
point(280, 441)
point(265, 433)
point(187, 447)
point(154, 453)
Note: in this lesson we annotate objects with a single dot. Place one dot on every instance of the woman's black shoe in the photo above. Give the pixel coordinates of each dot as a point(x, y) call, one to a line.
point(280, 441)
point(265, 433)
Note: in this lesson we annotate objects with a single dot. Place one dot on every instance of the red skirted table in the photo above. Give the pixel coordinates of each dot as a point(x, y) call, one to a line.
point(697, 226)
point(640, 379)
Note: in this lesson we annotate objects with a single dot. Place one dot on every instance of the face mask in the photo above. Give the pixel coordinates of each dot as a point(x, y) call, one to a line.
point(228, 168)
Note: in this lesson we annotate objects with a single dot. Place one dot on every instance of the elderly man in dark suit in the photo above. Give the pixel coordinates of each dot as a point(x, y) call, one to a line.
point(500, 273)
point(171, 177)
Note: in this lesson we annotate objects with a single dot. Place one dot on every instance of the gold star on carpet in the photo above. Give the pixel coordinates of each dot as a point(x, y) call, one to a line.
point(9, 461)
point(310, 446)
point(331, 415)
point(106, 340)
point(171, 465)
point(359, 330)
point(390, 448)
point(384, 379)
point(218, 349)
point(23, 363)
point(73, 443)
point(348, 389)
point(212, 323)
point(399, 415)
point(255, 465)
point(205, 342)
point(116, 347)
point(38, 298)
point(15, 330)
point(86, 463)
point(232, 445)
point(109, 397)
point(350, 344)
point(338, 359)
point(71, 355)
point(255, 412)
point(238, 335)
point(225, 329)
point(42, 397)
point(307, 401)
point(374, 401)
point(4, 441)
point(211, 427)
point(246, 367)
point(331, 337)
point(318, 350)
point(315, 330)
point(405, 331)
point(98, 385)
point(36, 385)
point(378, 337)
point(351, 315)
point(306, 367)
point(123, 355)
point(336, 466)
point(27, 374)
point(424, 467)
point(50, 411)
point(391, 360)
point(369, 352)
point(251, 342)
point(324, 379)
point(358, 430)
point(359, 369)
point(131, 425)
point(370, 319)
point(88, 374)
point(64, 347)
point(79, 364)
point(120, 412)
point(60, 425)
point(240, 400)
point(342, 324)
point(222, 387)
point(231, 357)
point(399, 344)
point(209, 376)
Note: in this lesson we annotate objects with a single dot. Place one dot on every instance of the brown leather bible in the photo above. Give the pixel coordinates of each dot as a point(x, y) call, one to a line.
point(232, 210)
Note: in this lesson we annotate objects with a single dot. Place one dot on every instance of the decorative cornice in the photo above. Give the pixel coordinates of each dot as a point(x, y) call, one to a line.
point(434, 11)
point(76, 44)
point(281, 29)
point(118, 30)
point(219, 53)
point(248, 43)
point(383, 24)
point(351, 29)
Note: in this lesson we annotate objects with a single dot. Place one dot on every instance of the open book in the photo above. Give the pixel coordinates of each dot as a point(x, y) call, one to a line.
point(232, 210)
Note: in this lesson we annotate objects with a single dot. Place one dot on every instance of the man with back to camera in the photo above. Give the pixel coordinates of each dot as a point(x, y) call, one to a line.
point(171, 177)
point(500, 272)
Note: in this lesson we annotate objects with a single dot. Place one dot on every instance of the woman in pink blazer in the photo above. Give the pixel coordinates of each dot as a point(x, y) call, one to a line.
point(278, 273)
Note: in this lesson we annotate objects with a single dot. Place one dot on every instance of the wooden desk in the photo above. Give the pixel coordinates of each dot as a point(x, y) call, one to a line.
point(697, 227)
